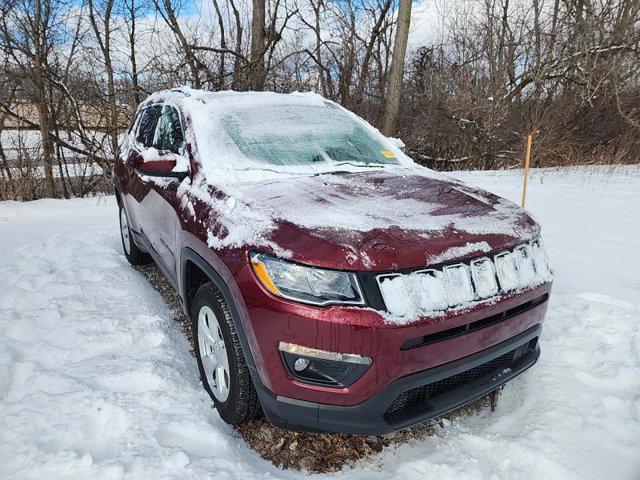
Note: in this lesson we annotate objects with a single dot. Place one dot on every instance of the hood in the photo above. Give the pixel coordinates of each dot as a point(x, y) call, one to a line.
point(384, 220)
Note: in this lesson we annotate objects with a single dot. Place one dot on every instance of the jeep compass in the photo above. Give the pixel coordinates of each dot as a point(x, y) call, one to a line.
point(332, 283)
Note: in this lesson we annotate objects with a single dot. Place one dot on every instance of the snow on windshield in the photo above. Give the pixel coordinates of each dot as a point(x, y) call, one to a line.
point(299, 135)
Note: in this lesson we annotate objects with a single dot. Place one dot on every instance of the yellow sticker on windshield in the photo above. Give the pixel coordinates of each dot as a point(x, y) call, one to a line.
point(388, 153)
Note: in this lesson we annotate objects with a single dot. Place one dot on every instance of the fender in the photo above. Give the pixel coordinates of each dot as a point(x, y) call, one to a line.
point(189, 255)
point(270, 406)
point(138, 237)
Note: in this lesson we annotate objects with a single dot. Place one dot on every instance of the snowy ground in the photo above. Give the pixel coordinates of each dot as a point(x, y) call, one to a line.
point(96, 380)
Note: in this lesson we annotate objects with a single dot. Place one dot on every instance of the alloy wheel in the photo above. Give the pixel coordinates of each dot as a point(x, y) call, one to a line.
point(124, 231)
point(213, 353)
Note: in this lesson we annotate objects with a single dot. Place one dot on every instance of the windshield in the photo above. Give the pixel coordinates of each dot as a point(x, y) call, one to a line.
point(302, 135)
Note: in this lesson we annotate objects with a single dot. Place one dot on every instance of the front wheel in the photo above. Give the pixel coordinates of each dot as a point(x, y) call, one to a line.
point(134, 255)
point(223, 368)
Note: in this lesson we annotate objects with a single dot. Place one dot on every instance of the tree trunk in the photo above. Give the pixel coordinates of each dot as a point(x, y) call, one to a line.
point(223, 46)
point(237, 63)
point(394, 91)
point(41, 99)
point(375, 35)
point(317, 30)
point(105, 46)
point(257, 71)
point(47, 148)
point(111, 92)
point(132, 52)
point(4, 164)
point(172, 20)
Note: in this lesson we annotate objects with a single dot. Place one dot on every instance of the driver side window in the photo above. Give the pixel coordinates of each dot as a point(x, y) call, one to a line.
point(168, 134)
point(147, 125)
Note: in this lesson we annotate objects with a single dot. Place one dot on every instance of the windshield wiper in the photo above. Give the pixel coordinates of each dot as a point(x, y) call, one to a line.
point(368, 165)
point(333, 172)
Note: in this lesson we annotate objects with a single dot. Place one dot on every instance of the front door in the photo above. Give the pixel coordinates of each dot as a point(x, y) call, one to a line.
point(157, 197)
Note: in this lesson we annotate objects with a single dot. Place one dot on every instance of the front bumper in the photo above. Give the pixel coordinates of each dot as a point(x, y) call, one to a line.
point(470, 378)
point(268, 320)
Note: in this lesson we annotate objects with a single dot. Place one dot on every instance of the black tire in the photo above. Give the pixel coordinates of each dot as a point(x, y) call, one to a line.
point(242, 403)
point(134, 255)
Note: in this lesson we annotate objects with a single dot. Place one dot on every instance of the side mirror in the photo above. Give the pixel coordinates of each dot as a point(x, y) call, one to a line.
point(160, 163)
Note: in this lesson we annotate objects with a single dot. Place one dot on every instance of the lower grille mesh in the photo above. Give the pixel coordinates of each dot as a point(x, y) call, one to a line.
point(417, 399)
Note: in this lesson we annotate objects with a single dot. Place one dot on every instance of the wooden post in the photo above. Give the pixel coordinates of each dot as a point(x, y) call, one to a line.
point(527, 157)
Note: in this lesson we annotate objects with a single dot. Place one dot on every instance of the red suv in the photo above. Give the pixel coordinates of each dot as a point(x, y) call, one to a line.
point(333, 283)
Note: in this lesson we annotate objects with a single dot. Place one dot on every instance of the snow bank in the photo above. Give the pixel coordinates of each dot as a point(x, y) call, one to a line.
point(96, 380)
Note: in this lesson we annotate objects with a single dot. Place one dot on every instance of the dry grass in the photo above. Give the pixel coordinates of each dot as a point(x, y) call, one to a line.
point(311, 452)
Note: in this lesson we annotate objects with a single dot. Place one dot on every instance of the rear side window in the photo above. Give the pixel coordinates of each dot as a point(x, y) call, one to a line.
point(168, 134)
point(147, 125)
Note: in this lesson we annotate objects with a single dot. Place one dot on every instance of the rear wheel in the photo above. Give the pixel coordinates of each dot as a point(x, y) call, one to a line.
point(223, 368)
point(134, 255)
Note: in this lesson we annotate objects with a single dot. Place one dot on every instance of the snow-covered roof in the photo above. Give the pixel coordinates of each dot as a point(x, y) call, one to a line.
point(233, 99)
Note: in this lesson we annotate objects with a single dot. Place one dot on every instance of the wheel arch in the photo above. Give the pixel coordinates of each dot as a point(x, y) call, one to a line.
point(118, 196)
point(195, 271)
point(117, 190)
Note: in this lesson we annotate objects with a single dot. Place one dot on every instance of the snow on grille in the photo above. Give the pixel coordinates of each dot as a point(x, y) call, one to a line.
point(429, 292)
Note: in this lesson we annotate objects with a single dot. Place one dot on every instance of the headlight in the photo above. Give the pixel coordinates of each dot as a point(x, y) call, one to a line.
point(316, 286)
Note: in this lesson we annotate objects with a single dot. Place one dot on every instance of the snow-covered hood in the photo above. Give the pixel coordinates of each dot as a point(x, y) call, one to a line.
point(383, 219)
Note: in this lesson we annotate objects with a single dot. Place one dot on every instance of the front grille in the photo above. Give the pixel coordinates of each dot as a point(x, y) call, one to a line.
point(473, 326)
point(441, 287)
point(419, 399)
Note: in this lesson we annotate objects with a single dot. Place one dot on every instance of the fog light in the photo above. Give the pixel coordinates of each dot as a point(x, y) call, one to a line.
point(320, 367)
point(299, 350)
point(300, 364)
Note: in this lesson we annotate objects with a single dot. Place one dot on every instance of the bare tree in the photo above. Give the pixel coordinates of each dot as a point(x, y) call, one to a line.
point(27, 38)
point(131, 10)
point(376, 31)
point(394, 91)
point(73, 72)
point(168, 13)
point(101, 23)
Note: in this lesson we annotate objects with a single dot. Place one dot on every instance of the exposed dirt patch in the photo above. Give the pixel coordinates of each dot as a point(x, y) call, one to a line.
point(329, 452)
point(312, 452)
